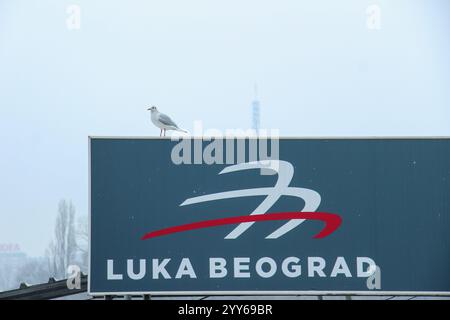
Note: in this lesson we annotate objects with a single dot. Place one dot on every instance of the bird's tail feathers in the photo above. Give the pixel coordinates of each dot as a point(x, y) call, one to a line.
point(182, 130)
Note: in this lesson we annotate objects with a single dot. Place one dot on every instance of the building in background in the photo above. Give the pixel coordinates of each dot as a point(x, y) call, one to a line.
point(11, 259)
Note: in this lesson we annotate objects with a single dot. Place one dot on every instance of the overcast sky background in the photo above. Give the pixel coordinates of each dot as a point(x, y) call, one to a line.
point(319, 69)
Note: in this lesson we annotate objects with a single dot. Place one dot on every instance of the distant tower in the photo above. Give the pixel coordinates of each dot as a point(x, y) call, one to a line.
point(255, 112)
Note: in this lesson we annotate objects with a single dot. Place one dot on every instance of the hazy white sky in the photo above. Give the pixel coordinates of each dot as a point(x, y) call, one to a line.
point(319, 69)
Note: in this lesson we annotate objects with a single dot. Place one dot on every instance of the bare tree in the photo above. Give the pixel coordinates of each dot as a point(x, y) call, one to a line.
point(62, 249)
point(82, 237)
point(68, 246)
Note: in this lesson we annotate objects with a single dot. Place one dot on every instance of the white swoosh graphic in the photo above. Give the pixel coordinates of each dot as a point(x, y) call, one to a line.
point(285, 173)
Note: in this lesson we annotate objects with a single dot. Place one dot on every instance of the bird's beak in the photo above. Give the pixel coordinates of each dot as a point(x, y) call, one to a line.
point(149, 109)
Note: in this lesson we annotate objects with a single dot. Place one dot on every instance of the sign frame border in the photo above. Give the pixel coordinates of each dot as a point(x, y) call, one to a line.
point(252, 293)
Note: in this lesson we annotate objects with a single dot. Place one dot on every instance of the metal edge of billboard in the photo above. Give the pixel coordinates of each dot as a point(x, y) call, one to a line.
point(251, 293)
point(280, 137)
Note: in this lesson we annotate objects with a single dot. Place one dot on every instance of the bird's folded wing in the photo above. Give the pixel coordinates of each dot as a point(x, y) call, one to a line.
point(166, 120)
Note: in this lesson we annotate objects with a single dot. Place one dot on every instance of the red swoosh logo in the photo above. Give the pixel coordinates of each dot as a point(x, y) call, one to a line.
point(332, 222)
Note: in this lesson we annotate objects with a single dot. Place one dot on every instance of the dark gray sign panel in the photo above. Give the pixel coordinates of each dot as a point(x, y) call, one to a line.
point(334, 215)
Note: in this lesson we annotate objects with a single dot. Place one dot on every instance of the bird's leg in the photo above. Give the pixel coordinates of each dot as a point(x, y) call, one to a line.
point(164, 132)
point(160, 132)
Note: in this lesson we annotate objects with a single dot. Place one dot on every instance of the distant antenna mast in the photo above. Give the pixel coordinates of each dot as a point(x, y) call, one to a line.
point(256, 112)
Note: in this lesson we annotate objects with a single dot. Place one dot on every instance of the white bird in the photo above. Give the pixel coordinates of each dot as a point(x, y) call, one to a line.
point(163, 121)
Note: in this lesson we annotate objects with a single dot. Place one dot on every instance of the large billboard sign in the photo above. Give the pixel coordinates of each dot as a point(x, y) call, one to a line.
point(254, 216)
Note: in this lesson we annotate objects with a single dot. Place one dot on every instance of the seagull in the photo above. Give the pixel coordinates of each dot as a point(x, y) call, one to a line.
point(163, 121)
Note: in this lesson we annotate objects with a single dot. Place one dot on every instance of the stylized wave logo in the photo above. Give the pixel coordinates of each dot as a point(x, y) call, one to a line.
point(285, 173)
